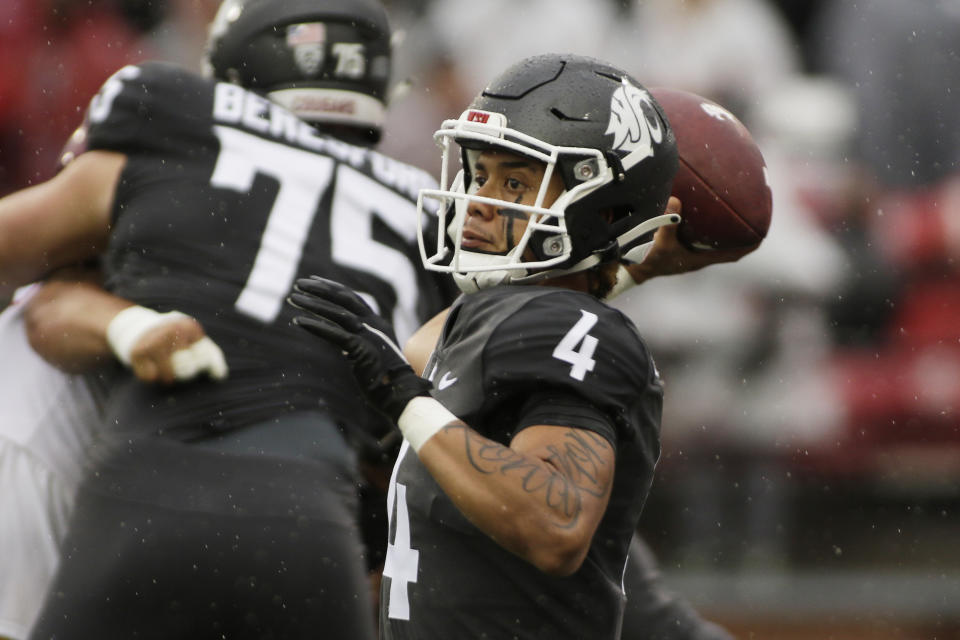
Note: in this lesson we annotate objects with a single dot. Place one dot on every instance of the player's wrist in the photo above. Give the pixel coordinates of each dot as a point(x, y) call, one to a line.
point(624, 282)
point(404, 385)
point(131, 324)
point(423, 418)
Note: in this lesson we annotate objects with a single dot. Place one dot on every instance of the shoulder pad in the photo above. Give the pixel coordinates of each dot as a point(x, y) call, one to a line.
point(147, 106)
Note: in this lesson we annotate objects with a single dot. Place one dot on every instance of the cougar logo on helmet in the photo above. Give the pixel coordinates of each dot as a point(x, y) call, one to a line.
point(631, 128)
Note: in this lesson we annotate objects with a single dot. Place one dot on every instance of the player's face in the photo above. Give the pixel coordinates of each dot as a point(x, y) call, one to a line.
point(514, 179)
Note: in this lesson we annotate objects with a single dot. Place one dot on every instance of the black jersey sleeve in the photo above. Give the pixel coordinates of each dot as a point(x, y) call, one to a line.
point(566, 410)
point(153, 107)
point(570, 346)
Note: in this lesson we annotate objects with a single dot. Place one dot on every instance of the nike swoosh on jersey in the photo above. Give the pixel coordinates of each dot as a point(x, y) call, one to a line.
point(446, 381)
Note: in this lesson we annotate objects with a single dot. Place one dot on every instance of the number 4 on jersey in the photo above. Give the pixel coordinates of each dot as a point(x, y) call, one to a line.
point(578, 345)
point(402, 561)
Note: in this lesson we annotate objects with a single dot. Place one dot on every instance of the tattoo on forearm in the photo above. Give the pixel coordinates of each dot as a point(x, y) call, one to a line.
point(575, 464)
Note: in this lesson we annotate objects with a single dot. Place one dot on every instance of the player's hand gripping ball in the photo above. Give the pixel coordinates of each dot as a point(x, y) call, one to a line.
point(721, 180)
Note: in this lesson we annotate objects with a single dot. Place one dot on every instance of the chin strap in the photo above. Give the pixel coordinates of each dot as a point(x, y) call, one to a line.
point(635, 254)
point(587, 263)
point(648, 225)
point(473, 282)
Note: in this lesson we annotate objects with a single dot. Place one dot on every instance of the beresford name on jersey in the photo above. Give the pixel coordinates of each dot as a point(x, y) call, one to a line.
point(234, 105)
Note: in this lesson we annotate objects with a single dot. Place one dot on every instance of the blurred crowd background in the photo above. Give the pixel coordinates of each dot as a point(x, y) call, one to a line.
point(811, 467)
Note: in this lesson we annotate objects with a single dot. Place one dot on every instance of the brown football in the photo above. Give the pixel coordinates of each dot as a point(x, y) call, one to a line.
point(721, 179)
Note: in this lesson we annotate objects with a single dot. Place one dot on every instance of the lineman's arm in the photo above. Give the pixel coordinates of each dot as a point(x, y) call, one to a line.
point(66, 319)
point(75, 325)
point(60, 222)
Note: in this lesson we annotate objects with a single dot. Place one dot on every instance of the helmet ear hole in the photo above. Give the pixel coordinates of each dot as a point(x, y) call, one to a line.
point(552, 246)
point(586, 169)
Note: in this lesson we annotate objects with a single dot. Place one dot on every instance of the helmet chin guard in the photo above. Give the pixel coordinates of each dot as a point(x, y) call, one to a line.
point(484, 270)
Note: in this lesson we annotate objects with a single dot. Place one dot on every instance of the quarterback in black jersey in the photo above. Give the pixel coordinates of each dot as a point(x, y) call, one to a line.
point(227, 507)
point(528, 455)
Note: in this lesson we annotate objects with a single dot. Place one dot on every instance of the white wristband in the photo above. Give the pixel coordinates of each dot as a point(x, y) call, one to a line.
point(128, 326)
point(422, 418)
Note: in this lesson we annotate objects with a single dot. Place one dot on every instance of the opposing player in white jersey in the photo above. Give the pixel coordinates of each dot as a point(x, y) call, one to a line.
point(51, 423)
point(48, 420)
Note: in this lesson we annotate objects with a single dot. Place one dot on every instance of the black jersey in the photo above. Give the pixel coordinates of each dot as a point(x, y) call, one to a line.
point(226, 199)
point(512, 357)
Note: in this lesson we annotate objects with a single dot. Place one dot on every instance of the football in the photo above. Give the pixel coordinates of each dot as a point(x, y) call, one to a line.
point(721, 179)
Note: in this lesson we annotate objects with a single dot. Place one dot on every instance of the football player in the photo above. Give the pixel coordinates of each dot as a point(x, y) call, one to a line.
point(49, 420)
point(527, 456)
point(228, 507)
point(51, 417)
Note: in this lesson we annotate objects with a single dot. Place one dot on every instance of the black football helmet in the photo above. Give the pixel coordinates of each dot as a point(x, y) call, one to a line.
point(328, 61)
point(592, 123)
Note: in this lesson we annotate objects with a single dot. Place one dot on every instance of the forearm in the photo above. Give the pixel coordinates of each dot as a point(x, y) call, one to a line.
point(61, 222)
point(67, 323)
point(27, 251)
point(77, 326)
point(542, 504)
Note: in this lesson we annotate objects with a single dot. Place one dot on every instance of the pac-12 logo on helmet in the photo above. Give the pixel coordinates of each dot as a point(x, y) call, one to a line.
point(307, 41)
point(633, 130)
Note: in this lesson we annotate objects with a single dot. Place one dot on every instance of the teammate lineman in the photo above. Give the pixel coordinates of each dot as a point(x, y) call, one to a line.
point(229, 508)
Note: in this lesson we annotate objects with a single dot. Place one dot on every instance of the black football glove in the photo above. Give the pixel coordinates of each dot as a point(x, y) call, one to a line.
point(339, 315)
